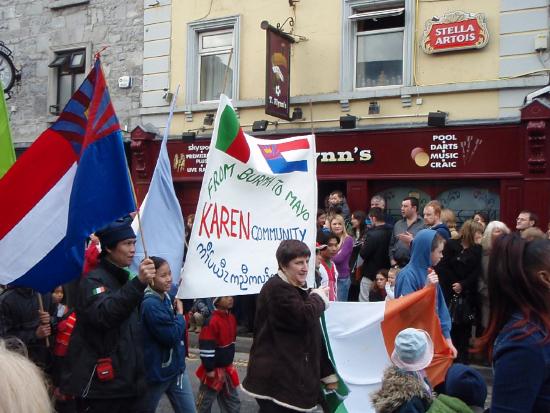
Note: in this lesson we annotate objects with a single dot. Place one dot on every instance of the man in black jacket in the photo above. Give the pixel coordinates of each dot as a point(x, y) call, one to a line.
point(374, 251)
point(105, 361)
point(21, 317)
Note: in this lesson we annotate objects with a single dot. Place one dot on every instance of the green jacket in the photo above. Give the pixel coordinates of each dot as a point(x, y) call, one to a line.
point(448, 404)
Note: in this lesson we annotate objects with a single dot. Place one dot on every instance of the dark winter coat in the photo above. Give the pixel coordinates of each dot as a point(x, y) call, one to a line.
point(375, 251)
point(521, 366)
point(19, 318)
point(288, 358)
point(107, 326)
point(163, 332)
point(401, 392)
point(459, 265)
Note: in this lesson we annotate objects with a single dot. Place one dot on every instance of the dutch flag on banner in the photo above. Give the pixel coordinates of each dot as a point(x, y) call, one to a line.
point(286, 157)
point(71, 182)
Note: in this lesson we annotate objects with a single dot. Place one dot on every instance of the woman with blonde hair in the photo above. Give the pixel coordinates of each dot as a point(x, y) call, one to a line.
point(448, 217)
point(342, 257)
point(459, 272)
point(22, 384)
point(494, 230)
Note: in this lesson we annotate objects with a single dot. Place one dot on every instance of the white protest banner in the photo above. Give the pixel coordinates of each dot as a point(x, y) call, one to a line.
point(255, 193)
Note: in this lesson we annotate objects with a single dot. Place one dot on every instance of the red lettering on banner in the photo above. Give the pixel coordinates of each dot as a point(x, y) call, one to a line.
point(217, 221)
point(203, 220)
point(224, 219)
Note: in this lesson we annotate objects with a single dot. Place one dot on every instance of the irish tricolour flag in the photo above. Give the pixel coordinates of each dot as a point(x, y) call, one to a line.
point(361, 337)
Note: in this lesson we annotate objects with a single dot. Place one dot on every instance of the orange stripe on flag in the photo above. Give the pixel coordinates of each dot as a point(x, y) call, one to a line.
point(418, 310)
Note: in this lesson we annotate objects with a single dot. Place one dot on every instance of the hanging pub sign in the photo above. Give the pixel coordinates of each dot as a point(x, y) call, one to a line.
point(456, 30)
point(277, 74)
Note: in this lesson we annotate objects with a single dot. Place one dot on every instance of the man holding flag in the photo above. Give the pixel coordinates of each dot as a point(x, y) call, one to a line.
point(105, 360)
point(83, 185)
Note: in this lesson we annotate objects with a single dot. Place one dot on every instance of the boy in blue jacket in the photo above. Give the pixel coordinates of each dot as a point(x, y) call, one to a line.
point(163, 346)
point(426, 253)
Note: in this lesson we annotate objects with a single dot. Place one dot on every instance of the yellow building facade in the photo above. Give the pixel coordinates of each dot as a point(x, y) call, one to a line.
point(412, 73)
point(466, 84)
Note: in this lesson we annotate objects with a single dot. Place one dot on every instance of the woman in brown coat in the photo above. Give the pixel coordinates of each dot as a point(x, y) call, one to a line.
point(288, 359)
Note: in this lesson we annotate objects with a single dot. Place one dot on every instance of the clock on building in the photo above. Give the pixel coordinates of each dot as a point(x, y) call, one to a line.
point(7, 68)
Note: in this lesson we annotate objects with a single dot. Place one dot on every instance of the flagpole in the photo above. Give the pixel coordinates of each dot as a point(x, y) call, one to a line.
point(227, 70)
point(311, 116)
point(137, 212)
point(41, 308)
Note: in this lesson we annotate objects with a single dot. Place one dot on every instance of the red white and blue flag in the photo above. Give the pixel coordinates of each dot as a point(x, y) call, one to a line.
point(72, 181)
point(286, 157)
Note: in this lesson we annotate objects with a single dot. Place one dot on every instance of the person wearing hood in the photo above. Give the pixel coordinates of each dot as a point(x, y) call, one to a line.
point(405, 386)
point(426, 253)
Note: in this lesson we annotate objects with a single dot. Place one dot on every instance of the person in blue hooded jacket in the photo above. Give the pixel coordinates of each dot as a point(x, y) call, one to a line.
point(426, 252)
point(163, 346)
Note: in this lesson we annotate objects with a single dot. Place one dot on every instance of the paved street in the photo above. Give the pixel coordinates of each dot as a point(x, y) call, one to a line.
point(248, 405)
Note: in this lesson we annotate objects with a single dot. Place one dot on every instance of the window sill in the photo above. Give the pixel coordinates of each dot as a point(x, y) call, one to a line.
point(60, 4)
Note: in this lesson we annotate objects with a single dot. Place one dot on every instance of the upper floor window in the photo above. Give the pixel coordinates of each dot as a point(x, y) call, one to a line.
point(212, 60)
point(377, 44)
point(215, 64)
point(379, 47)
point(70, 69)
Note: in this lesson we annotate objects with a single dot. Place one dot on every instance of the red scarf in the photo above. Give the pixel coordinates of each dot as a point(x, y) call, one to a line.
point(331, 279)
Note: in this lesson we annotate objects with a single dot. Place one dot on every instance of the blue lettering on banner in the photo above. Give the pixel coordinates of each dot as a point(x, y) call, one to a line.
point(243, 280)
point(277, 233)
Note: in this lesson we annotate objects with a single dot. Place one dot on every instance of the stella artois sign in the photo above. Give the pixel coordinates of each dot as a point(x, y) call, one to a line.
point(456, 30)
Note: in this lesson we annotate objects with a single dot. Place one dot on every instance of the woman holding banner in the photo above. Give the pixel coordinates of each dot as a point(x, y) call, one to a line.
point(288, 359)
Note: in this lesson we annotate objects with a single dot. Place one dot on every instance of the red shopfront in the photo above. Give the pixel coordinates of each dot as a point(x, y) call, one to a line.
point(497, 168)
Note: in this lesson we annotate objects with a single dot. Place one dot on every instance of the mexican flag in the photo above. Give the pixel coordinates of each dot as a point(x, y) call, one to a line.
point(361, 339)
point(255, 193)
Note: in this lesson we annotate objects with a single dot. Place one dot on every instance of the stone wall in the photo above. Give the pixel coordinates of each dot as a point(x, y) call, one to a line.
point(35, 29)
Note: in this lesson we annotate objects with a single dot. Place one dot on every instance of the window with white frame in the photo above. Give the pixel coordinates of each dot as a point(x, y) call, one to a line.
point(377, 44)
point(212, 60)
point(215, 64)
point(379, 47)
point(70, 67)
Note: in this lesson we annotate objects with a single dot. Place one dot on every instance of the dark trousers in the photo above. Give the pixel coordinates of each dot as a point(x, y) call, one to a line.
point(267, 406)
point(460, 334)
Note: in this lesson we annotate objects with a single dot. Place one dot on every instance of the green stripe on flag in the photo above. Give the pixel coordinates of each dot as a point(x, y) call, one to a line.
point(228, 129)
point(334, 399)
point(7, 153)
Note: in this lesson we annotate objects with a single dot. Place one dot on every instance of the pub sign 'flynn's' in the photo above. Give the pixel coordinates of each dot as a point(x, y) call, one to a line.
point(456, 30)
